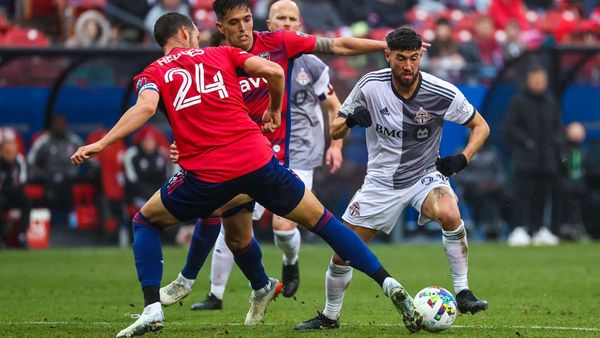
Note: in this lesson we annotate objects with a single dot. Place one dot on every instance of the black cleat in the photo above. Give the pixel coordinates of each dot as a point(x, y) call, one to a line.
point(318, 322)
point(290, 277)
point(467, 302)
point(210, 303)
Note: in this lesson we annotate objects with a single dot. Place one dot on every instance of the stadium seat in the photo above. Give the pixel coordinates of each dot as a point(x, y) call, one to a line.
point(86, 212)
point(25, 37)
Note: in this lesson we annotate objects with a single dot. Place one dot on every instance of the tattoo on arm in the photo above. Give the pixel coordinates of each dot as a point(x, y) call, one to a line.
point(324, 45)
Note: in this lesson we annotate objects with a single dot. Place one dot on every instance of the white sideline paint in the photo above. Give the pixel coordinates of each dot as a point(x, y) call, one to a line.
point(524, 327)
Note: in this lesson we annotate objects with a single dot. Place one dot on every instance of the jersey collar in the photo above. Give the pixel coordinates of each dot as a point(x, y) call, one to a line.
point(414, 94)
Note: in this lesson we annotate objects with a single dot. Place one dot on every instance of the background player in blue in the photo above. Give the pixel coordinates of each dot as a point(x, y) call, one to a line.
point(309, 86)
point(403, 110)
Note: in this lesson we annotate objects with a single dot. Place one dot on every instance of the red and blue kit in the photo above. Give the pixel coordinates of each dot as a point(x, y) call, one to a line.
point(281, 47)
point(200, 92)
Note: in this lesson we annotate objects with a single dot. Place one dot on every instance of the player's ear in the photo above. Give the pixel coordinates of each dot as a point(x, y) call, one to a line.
point(386, 52)
point(219, 27)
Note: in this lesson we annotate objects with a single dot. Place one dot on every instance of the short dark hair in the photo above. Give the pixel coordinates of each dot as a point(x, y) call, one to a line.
point(167, 25)
point(222, 7)
point(403, 38)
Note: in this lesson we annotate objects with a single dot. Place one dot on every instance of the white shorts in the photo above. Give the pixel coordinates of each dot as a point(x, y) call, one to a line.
point(377, 207)
point(305, 175)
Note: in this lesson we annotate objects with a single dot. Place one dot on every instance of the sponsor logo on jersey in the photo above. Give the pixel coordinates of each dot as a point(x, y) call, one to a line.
point(387, 132)
point(384, 111)
point(265, 55)
point(300, 97)
point(303, 78)
point(355, 209)
point(422, 133)
point(422, 117)
point(251, 83)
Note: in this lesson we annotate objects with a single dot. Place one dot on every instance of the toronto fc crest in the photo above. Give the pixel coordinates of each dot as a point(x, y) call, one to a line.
point(422, 117)
point(303, 78)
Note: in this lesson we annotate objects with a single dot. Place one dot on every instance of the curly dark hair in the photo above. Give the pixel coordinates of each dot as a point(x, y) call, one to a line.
point(403, 38)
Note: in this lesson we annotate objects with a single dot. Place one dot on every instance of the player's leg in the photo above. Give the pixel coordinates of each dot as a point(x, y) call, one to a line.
point(248, 256)
point(287, 239)
point(281, 192)
point(220, 269)
point(147, 224)
point(441, 205)
point(337, 279)
point(205, 234)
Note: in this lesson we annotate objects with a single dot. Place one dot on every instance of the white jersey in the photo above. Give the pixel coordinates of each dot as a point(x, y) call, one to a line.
point(404, 140)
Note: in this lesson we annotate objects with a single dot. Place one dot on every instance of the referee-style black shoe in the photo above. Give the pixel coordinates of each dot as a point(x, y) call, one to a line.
point(210, 303)
point(290, 277)
point(467, 302)
point(318, 322)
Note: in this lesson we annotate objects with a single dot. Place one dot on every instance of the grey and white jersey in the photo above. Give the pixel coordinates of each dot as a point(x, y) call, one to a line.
point(404, 141)
point(309, 83)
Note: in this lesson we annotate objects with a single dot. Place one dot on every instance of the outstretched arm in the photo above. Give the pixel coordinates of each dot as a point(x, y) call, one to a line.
point(133, 118)
point(348, 45)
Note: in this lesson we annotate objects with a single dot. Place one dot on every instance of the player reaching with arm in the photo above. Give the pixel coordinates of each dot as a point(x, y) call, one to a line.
point(234, 20)
point(403, 110)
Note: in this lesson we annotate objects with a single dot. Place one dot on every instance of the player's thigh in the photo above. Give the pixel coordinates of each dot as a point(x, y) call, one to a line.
point(156, 213)
point(284, 224)
point(308, 212)
point(238, 229)
point(376, 207)
point(234, 202)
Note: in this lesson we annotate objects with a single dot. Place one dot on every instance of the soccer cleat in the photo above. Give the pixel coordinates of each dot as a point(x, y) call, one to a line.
point(544, 237)
point(151, 320)
point(404, 304)
point(519, 237)
point(290, 277)
point(467, 302)
point(210, 303)
point(258, 303)
point(174, 292)
point(320, 321)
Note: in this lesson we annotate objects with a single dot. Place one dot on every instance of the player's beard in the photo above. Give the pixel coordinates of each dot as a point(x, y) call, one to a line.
point(406, 83)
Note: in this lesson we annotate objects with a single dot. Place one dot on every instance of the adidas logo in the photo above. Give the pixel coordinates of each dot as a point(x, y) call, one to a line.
point(384, 111)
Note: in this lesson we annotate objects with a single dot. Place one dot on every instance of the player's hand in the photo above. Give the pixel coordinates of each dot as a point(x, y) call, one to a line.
point(86, 152)
point(360, 116)
point(424, 47)
point(271, 120)
point(451, 165)
point(334, 159)
point(173, 153)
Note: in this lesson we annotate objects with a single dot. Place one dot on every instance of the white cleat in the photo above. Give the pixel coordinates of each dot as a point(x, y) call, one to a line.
point(174, 292)
point(259, 299)
point(151, 320)
point(404, 304)
point(544, 237)
point(519, 237)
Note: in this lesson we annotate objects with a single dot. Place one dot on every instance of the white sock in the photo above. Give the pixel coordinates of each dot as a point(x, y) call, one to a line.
point(188, 282)
point(221, 265)
point(151, 308)
point(289, 243)
point(336, 282)
point(457, 251)
point(389, 284)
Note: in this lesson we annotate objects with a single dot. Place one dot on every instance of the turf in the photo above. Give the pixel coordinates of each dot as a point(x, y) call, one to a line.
point(533, 292)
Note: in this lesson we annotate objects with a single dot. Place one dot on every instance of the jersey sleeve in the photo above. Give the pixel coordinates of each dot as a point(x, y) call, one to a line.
point(298, 42)
point(145, 80)
point(237, 56)
point(320, 72)
point(356, 98)
point(461, 110)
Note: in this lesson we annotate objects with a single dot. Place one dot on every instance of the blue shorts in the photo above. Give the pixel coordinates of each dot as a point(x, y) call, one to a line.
point(275, 187)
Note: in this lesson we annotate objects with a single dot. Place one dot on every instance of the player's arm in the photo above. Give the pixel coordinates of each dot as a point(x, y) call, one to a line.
point(480, 130)
point(479, 133)
point(348, 45)
point(133, 119)
point(333, 155)
point(258, 67)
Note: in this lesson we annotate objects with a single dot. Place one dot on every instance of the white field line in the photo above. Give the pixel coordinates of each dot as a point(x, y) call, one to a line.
point(168, 323)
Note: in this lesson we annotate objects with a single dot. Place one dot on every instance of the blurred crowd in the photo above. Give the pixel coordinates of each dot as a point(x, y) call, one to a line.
point(466, 35)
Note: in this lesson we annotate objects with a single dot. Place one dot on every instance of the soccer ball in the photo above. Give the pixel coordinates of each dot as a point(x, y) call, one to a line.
point(438, 307)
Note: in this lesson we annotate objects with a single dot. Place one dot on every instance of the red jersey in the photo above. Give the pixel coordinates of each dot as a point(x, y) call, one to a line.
point(200, 91)
point(280, 47)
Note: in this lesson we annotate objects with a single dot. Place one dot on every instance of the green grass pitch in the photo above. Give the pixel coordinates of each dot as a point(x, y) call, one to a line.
point(533, 292)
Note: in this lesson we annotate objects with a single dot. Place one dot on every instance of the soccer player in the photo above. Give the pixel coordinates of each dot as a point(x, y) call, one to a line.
point(234, 20)
point(223, 154)
point(403, 110)
point(309, 85)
